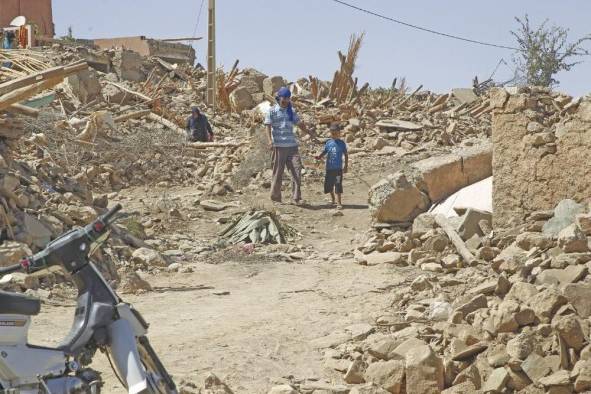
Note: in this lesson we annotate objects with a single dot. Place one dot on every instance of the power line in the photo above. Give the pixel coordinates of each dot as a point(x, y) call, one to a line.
point(489, 44)
point(198, 19)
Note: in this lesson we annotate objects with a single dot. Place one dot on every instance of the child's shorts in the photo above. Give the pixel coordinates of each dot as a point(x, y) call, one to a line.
point(333, 181)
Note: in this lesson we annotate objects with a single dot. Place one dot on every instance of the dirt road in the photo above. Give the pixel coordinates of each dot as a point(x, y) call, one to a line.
point(252, 322)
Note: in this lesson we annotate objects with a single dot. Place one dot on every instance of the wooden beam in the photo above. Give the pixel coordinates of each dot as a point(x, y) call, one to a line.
point(132, 92)
point(23, 110)
point(51, 73)
point(25, 92)
point(455, 239)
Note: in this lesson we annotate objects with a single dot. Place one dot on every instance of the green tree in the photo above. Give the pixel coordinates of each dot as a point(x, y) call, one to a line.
point(544, 51)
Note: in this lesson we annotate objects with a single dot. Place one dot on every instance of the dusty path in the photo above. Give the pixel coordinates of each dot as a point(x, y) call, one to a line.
point(252, 323)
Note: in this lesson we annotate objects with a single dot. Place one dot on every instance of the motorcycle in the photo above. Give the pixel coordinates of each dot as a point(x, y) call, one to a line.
point(102, 321)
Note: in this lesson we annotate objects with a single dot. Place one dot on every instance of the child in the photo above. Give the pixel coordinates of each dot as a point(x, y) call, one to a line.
point(334, 149)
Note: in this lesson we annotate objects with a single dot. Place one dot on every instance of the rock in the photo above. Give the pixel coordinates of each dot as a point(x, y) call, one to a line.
point(272, 84)
point(354, 374)
point(437, 243)
point(583, 222)
point(370, 388)
point(487, 253)
point(564, 215)
point(451, 261)
point(283, 389)
point(497, 356)
point(394, 258)
point(407, 346)
point(578, 295)
point(525, 317)
point(421, 283)
point(213, 205)
point(383, 348)
point(562, 277)
point(387, 374)
point(572, 240)
point(359, 331)
point(39, 232)
point(12, 252)
point(128, 65)
point(569, 328)
point(469, 225)
point(431, 267)
point(470, 351)
point(498, 97)
point(486, 288)
point(424, 371)
point(461, 388)
point(521, 346)
point(18, 281)
point(546, 303)
point(85, 85)
point(512, 259)
point(114, 95)
point(241, 99)
point(395, 199)
point(517, 380)
point(560, 378)
point(528, 240)
point(474, 304)
point(132, 283)
point(522, 292)
point(422, 224)
point(496, 382)
point(583, 380)
point(148, 257)
point(535, 367)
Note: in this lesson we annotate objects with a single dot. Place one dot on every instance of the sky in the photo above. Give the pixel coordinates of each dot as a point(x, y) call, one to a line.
point(298, 38)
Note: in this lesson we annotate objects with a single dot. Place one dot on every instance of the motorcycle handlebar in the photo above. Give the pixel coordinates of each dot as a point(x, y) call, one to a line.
point(11, 268)
point(106, 218)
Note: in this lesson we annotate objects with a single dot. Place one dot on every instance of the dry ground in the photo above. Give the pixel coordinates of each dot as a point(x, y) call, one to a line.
point(252, 322)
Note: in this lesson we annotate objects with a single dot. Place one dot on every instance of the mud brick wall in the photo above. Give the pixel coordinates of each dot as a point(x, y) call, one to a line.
point(541, 152)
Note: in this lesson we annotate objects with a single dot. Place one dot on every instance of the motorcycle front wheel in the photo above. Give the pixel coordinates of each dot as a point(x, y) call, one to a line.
point(159, 380)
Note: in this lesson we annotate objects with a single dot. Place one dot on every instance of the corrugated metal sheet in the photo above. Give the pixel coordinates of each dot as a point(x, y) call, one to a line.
point(36, 11)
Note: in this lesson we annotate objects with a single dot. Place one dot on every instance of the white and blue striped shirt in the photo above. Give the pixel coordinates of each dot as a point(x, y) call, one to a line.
point(281, 127)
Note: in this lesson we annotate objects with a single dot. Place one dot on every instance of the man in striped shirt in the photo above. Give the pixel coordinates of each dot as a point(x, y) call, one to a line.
point(281, 137)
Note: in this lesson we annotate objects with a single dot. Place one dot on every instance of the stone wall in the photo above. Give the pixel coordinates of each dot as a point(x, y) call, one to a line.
point(541, 152)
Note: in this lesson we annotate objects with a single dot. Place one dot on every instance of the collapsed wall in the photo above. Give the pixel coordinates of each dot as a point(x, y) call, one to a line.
point(541, 146)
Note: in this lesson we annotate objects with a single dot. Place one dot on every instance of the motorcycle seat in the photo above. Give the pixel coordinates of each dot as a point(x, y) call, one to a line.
point(18, 304)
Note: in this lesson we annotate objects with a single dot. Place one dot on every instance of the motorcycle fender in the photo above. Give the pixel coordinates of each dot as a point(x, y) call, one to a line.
point(126, 313)
point(125, 356)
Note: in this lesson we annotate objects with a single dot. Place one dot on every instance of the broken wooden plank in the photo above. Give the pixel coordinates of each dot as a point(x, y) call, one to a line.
point(455, 239)
point(132, 92)
point(167, 123)
point(132, 115)
point(23, 110)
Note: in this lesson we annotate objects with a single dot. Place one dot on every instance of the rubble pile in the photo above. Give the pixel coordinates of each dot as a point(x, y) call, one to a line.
point(509, 313)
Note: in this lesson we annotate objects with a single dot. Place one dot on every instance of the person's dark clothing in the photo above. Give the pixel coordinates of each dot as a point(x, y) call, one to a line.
point(333, 181)
point(199, 129)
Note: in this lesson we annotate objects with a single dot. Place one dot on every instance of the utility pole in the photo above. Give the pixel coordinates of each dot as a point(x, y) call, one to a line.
point(211, 68)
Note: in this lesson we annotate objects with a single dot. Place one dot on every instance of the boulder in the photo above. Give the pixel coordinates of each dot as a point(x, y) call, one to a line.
point(562, 277)
point(546, 303)
point(241, 99)
point(422, 224)
point(387, 374)
point(283, 389)
point(354, 374)
point(395, 199)
point(535, 367)
point(470, 224)
point(528, 240)
point(564, 215)
point(424, 371)
point(272, 84)
point(572, 240)
point(569, 328)
point(128, 65)
point(85, 86)
point(583, 222)
point(12, 252)
point(496, 382)
point(132, 283)
point(369, 388)
point(521, 346)
point(148, 257)
point(39, 233)
point(376, 258)
point(578, 295)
